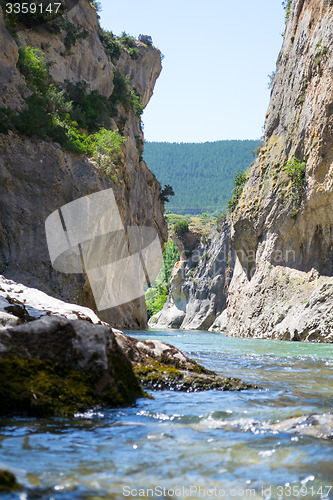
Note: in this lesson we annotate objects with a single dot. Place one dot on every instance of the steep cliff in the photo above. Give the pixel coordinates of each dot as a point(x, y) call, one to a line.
point(38, 176)
point(282, 228)
point(282, 224)
point(199, 284)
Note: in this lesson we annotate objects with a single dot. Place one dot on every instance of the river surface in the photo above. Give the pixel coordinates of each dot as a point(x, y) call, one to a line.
point(189, 445)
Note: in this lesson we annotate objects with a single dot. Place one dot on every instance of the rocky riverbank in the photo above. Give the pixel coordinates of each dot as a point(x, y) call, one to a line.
point(52, 363)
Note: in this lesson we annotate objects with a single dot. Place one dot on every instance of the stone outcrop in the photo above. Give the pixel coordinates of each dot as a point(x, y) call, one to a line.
point(198, 286)
point(38, 177)
point(162, 366)
point(20, 304)
point(282, 231)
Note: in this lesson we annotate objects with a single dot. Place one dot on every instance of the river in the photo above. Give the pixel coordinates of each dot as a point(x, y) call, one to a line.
point(189, 445)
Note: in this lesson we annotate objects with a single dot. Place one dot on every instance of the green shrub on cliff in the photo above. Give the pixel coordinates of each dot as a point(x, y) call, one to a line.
point(124, 94)
point(295, 169)
point(239, 183)
point(91, 110)
point(106, 146)
point(112, 46)
point(181, 227)
point(157, 294)
point(32, 65)
point(73, 117)
point(146, 39)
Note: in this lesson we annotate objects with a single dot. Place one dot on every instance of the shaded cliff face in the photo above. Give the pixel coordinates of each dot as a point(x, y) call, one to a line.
point(283, 226)
point(38, 177)
point(198, 286)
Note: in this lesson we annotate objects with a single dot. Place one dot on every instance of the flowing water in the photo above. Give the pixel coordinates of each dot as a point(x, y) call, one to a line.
point(199, 445)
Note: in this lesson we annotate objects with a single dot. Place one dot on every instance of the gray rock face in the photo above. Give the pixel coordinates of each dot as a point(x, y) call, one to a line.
point(38, 177)
point(282, 284)
point(198, 286)
point(282, 281)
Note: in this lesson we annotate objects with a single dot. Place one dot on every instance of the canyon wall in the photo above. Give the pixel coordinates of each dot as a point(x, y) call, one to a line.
point(199, 284)
point(282, 227)
point(37, 177)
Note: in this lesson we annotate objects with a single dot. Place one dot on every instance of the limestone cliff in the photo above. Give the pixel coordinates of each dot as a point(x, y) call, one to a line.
point(282, 229)
point(199, 284)
point(38, 177)
point(282, 226)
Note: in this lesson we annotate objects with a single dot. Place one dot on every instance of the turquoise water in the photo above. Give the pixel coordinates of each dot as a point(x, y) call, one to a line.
point(197, 445)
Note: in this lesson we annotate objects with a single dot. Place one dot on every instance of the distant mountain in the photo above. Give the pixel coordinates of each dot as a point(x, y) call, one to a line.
point(201, 174)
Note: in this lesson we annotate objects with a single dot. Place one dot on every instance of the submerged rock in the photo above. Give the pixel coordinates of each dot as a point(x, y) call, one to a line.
point(162, 366)
point(56, 366)
point(318, 426)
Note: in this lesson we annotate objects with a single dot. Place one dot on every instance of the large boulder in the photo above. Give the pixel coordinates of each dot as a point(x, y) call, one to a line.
point(57, 366)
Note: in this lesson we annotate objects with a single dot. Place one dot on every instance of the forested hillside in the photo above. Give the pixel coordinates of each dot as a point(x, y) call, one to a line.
point(200, 174)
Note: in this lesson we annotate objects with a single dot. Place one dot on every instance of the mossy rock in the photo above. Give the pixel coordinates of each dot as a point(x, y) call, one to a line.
point(8, 481)
point(37, 388)
point(158, 366)
point(156, 376)
point(56, 366)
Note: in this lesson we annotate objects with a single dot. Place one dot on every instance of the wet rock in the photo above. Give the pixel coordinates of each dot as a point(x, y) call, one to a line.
point(56, 366)
point(318, 426)
point(8, 481)
point(162, 366)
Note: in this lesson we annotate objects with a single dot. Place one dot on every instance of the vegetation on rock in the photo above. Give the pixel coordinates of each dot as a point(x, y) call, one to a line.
point(181, 227)
point(8, 481)
point(155, 375)
point(72, 116)
point(239, 183)
point(157, 294)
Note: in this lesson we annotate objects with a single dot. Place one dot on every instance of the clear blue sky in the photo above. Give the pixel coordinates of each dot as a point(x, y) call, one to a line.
point(218, 55)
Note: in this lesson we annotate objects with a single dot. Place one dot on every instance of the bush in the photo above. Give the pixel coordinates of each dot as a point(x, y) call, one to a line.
point(74, 33)
point(32, 65)
point(157, 294)
point(166, 192)
point(112, 47)
point(124, 94)
point(134, 53)
point(239, 182)
point(295, 169)
point(181, 227)
point(146, 39)
point(127, 40)
point(91, 110)
point(106, 145)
